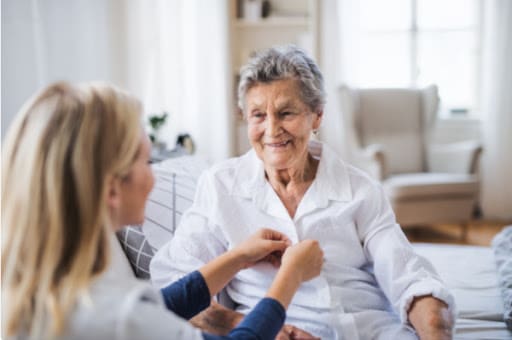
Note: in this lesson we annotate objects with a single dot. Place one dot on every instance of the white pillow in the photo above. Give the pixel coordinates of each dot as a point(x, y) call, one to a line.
point(175, 186)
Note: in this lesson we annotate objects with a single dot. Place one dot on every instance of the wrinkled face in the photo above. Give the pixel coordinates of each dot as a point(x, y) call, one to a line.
point(135, 188)
point(280, 123)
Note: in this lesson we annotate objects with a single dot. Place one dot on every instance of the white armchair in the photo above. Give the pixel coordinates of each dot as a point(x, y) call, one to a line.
point(426, 184)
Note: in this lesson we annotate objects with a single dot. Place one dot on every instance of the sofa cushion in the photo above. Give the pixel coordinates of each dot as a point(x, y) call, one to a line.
point(428, 185)
point(469, 272)
point(173, 193)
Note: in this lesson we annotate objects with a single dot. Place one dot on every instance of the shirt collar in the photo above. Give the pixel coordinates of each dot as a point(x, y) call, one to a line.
point(249, 175)
point(331, 181)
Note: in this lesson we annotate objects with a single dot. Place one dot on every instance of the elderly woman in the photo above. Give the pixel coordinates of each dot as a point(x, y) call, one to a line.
point(373, 285)
point(75, 169)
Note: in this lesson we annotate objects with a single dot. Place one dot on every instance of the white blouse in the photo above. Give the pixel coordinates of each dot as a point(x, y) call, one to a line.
point(371, 273)
point(125, 309)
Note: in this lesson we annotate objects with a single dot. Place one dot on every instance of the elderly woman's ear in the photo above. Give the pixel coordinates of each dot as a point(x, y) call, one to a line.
point(318, 119)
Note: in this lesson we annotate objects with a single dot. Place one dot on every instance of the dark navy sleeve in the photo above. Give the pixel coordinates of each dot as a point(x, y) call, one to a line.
point(263, 322)
point(188, 296)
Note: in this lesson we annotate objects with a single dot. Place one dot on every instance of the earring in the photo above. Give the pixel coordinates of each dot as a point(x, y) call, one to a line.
point(315, 132)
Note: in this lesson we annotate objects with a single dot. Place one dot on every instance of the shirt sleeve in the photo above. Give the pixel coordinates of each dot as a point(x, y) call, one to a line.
point(263, 322)
point(399, 271)
point(188, 296)
point(196, 240)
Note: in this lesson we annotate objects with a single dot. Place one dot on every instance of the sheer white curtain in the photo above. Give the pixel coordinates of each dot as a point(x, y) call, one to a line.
point(497, 110)
point(338, 39)
point(177, 60)
point(173, 54)
point(335, 44)
point(48, 40)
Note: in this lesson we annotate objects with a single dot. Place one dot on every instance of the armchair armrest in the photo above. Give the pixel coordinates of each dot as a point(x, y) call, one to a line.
point(371, 159)
point(460, 157)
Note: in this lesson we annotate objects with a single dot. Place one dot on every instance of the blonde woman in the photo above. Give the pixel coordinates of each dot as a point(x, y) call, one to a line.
point(74, 170)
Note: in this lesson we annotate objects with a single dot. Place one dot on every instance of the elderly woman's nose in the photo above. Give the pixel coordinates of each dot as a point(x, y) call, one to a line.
point(273, 127)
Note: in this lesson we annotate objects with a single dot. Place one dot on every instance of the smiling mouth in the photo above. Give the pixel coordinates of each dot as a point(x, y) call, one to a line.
point(278, 145)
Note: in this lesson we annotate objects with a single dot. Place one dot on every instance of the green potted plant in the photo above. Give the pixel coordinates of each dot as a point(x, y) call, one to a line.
point(156, 122)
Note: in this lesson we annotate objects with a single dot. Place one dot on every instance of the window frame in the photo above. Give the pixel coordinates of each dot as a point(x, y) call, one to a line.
point(413, 32)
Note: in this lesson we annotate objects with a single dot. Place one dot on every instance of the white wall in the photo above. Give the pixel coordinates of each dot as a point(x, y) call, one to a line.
point(456, 130)
point(137, 45)
point(50, 40)
point(19, 70)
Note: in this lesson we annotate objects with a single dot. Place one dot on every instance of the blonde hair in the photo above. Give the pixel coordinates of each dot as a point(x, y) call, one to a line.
point(59, 155)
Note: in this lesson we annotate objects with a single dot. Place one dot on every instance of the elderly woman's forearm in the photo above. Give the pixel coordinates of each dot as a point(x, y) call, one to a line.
point(431, 318)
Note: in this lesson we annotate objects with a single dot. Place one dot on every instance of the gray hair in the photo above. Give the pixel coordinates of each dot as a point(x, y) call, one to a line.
point(284, 62)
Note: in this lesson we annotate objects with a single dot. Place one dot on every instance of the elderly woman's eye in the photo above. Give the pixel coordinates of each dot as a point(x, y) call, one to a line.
point(257, 115)
point(286, 114)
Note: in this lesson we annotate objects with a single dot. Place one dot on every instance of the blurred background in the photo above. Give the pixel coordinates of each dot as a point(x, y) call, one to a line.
point(182, 57)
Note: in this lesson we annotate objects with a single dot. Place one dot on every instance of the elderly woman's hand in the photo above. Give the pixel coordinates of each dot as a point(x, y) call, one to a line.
point(289, 332)
point(264, 245)
point(431, 318)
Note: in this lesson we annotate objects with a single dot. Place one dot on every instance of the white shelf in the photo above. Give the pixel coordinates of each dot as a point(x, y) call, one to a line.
point(273, 22)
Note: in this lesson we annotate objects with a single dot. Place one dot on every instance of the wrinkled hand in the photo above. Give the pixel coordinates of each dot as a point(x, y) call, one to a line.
point(431, 318)
point(305, 258)
point(217, 319)
point(289, 332)
point(264, 245)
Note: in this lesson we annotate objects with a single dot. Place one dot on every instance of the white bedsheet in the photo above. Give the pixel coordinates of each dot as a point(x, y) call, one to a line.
point(471, 274)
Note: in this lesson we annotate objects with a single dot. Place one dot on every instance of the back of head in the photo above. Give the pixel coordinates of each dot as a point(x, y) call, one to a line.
point(284, 62)
point(59, 154)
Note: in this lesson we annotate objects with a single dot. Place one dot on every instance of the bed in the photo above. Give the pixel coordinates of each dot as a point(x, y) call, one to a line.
point(470, 272)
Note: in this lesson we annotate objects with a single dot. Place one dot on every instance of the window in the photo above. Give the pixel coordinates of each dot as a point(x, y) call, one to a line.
point(420, 42)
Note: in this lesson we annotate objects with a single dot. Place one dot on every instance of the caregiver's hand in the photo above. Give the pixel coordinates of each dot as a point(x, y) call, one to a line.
point(303, 261)
point(264, 245)
point(300, 262)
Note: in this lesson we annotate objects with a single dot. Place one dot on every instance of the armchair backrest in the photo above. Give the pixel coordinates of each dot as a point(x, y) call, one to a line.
point(399, 120)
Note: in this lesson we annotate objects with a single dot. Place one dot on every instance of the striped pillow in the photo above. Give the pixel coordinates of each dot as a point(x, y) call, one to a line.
point(173, 193)
point(137, 250)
